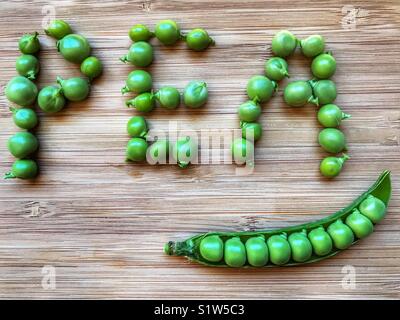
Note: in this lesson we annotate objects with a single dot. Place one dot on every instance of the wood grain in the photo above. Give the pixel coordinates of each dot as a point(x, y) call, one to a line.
point(102, 223)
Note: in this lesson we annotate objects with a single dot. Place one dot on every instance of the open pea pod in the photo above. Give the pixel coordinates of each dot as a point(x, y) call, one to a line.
point(379, 192)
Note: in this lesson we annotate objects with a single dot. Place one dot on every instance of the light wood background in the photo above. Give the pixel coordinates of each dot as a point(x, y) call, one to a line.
point(102, 223)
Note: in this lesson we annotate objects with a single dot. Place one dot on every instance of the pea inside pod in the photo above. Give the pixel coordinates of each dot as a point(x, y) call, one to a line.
point(373, 208)
point(279, 249)
point(300, 246)
point(212, 248)
point(257, 251)
point(359, 224)
point(234, 252)
point(320, 241)
point(341, 234)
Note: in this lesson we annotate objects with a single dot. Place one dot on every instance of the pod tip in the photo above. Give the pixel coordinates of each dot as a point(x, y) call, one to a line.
point(168, 248)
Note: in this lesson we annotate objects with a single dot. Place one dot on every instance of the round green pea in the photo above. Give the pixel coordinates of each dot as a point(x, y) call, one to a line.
point(260, 88)
point(29, 43)
point(167, 32)
point(300, 246)
point(74, 48)
point(373, 208)
point(22, 144)
point(140, 54)
point(138, 81)
point(331, 166)
point(74, 89)
point(168, 97)
point(58, 29)
point(24, 118)
point(257, 251)
point(185, 151)
point(21, 91)
point(28, 66)
point(136, 149)
point(276, 68)
point(312, 46)
point(332, 140)
point(140, 32)
point(283, 44)
point(298, 93)
point(91, 67)
point(320, 241)
point(234, 252)
point(51, 99)
point(198, 40)
point(360, 224)
point(212, 248)
point(137, 127)
point(330, 115)
point(251, 129)
point(243, 151)
point(323, 66)
point(23, 169)
point(324, 91)
point(249, 111)
point(158, 152)
point(144, 102)
point(341, 234)
point(195, 94)
point(279, 249)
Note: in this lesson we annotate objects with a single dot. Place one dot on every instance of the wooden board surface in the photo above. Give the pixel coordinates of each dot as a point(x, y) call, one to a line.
point(102, 223)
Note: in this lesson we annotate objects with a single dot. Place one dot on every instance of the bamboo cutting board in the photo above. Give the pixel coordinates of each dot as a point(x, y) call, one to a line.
point(99, 224)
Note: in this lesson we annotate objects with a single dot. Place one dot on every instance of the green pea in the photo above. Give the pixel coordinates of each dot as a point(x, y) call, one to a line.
point(185, 151)
point(249, 111)
point(257, 251)
point(331, 166)
point(137, 127)
point(74, 48)
point(138, 81)
point(23, 169)
point(58, 29)
point(330, 115)
point(300, 246)
point(284, 43)
point(168, 97)
point(234, 252)
point(136, 149)
point(312, 46)
point(51, 99)
point(28, 66)
point(298, 94)
point(21, 91)
point(140, 32)
point(167, 32)
point(323, 66)
point(140, 54)
point(279, 249)
point(324, 91)
point(332, 140)
point(158, 152)
point(321, 241)
point(91, 67)
point(144, 102)
point(260, 88)
point(195, 94)
point(198, 40)
point(24, 118)
point(29, 43)
point(212, 248)
point(251, 129)
point(360, 224)
point(341, 234)
point(22, 144)
point(373, 208)
point(276, 69)
point(243, 151)
point(74, 89)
